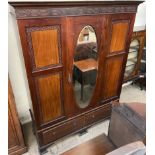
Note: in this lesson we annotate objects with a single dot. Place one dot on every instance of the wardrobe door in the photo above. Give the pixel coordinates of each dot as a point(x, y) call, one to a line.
point(83, 59)
point(44, 50)
point(120, 30)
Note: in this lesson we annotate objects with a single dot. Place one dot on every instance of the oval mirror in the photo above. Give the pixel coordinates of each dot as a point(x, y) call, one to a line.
point(85, 66)
point(132, 57)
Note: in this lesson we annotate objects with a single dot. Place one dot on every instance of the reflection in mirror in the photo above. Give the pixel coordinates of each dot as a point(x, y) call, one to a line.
point(85, 66)
point(132, 57)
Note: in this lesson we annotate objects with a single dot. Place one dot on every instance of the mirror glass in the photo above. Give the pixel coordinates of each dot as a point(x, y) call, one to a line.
point(132, 57)
point(85, 66)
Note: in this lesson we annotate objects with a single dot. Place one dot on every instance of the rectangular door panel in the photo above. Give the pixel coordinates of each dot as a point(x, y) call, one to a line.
point(113, 72)
point(49, 89)
point(119, 34)
point(44, 44)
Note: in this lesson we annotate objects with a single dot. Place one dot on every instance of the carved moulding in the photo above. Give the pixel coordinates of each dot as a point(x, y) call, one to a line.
point(22, 13)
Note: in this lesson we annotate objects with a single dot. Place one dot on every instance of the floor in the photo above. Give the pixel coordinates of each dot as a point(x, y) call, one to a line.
point(130, 93)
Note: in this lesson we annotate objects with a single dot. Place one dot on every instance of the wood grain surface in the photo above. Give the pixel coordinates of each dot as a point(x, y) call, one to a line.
point(50, 97)
point(119, 32)
point(45, 47)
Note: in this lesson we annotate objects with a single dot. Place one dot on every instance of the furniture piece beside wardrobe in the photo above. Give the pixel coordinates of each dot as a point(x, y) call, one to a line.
point(141, 81)
point(16, 145)
point(54, 37)
point(133, 65)
point(126, 134)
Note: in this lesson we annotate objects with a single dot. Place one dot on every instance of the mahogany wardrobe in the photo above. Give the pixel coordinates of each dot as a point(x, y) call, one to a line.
point(75, 55)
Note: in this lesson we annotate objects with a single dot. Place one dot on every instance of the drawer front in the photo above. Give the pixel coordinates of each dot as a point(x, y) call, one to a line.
point(62, 130)
point(97, 115)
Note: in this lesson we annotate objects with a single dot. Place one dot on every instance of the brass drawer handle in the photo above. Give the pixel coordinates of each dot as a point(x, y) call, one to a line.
point(53, 133)
point(75, 123)
point(93, 116)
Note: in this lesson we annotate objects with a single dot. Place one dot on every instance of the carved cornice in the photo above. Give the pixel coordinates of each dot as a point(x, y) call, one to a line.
point(24, 13)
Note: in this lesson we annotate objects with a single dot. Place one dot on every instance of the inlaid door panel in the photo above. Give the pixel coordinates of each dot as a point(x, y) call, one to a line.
point(50, 96)
point(44, 49)
point(120, 27)
point(44, 45)
point(118, 38)
point(112, 77)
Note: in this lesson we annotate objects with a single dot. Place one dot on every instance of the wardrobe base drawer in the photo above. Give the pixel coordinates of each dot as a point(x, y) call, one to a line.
point(62, 130)
point(97, 115)
point(52, 134)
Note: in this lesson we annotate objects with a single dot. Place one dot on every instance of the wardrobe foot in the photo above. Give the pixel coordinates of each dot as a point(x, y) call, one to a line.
point(83, 132)
point(42, 151)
